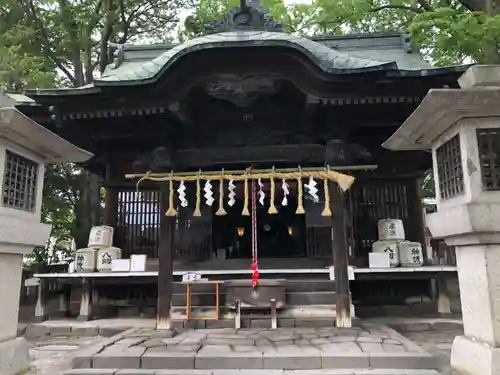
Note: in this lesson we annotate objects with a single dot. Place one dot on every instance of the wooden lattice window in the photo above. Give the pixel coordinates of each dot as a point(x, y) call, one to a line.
point(488, 141)
point(19, 182)
point(449, 166)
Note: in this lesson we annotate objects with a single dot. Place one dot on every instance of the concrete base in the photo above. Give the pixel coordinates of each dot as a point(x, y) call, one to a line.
point(14, 356)
point(473, 357)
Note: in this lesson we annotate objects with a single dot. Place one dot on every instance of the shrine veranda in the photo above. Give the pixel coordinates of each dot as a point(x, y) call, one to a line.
point(245, 99)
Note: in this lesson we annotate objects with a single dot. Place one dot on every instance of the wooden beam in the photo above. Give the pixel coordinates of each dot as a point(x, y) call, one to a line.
point(340, 257)
point(165, 260)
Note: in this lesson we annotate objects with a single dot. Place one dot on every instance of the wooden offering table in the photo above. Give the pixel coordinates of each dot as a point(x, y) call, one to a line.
point(189, 285)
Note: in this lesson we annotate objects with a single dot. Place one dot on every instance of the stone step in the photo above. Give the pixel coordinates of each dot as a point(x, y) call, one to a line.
point(251, 372)
point(218, 356)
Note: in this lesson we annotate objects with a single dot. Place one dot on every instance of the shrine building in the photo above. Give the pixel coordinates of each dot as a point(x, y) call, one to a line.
point(248, 95)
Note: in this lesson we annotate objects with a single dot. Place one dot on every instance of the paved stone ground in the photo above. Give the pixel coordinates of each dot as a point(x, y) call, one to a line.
point(54, 355)
point(437, 341)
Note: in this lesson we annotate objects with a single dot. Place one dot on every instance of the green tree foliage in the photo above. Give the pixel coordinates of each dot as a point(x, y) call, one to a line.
point(445, 31)
point(65, 43)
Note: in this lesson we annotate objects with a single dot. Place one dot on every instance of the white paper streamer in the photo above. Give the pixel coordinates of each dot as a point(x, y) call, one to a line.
point(261, 193)
point(286, 192)
point(312, 190)
point(182, 194)
point(209, 194)
point(231, 186)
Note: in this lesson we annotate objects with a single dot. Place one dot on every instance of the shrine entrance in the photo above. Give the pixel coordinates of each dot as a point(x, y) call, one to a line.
point(278, 236)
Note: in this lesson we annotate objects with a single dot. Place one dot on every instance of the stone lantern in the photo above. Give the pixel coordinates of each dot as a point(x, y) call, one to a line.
point(25, 149)
point(462, 128)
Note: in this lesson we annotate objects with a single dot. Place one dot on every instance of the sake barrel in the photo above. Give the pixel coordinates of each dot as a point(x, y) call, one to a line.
point(101, 236)
point(390, 247)
point(85, 260)
point(391, 229)
point(105, 257)
point(411, 254)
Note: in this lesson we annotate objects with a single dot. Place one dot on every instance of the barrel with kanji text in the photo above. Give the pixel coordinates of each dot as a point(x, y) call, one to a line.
point(85, 260)
point(391, 230)
point(411, 254)
point(106, 256)
point(101, 236)
point(388, 247)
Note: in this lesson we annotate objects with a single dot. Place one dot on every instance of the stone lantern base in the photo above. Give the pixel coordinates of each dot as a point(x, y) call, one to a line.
point(15, 356)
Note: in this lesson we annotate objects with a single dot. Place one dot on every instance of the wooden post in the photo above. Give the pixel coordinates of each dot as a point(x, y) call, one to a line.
point(86, 300)
point(110, 207)
point(340, 257)
point(41, 301)
point(165, 260)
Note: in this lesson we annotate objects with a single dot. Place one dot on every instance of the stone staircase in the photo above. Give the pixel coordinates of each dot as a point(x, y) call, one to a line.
point(366, 349)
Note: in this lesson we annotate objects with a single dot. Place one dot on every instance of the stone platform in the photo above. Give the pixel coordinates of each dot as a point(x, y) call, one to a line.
point(366, 346)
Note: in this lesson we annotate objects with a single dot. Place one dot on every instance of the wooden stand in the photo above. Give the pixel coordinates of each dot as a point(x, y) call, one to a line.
point(188, 299)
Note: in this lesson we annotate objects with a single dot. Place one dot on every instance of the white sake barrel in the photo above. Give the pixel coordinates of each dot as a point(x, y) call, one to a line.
point(411, 254)
point(101, 236)
point(390, 247)
point(106, 256)
point(391, 229)
point(85, 260)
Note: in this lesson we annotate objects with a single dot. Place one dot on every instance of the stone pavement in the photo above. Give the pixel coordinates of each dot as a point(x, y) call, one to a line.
point(54, 355)
point(364, 346)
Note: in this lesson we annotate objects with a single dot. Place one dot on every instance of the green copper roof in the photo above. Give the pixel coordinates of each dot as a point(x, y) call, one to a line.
point(327, 59)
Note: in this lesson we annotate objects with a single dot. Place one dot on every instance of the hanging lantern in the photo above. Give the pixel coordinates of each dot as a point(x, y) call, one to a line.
point(240, 231)
point(290, 231)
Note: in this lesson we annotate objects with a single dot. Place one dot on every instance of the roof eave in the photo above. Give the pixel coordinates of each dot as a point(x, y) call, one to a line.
point(438, 112)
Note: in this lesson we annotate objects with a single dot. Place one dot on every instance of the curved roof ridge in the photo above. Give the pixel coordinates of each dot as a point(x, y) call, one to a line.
point(327, 59)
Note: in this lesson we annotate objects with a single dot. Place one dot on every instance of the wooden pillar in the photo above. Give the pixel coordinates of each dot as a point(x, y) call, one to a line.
point(110, 207)
point(416, 214)
point(340, 257)
point(41, 301)
point(86, 305)
point(165, 260)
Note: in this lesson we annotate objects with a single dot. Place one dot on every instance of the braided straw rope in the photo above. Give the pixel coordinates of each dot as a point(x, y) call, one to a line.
point(300, 194)
point(344, 181)
point(171, 210)
point(221, 211)
point(197, 210)
point(326, 209)
point(272, 207)
point(245, 211)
